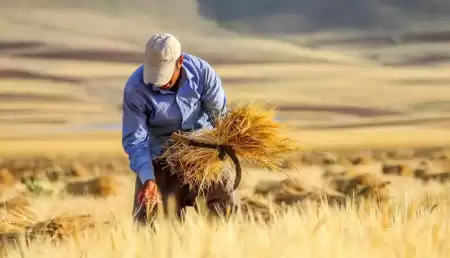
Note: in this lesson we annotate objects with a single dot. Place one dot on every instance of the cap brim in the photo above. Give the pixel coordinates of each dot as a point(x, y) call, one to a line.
point(158, 75)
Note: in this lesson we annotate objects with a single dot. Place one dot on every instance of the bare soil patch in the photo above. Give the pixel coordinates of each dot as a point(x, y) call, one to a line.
point(380, 124)
point(428, 59)
point(14, 97)
point(29, 75)
point(349, 110)
point(422, 37)
point(34, 120)
point(17, 111)
point(137, 57)
point(424, 81)
point(426, 37)
point(86, 55)
point(229, 81)
point(19, 45)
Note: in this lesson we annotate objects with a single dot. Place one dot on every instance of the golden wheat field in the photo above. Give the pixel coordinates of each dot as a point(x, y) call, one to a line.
point(331, 204)
point(369, 109)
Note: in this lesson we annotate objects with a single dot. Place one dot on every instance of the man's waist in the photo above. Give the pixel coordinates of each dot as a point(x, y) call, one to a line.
point(158, 144)
point(160, 141)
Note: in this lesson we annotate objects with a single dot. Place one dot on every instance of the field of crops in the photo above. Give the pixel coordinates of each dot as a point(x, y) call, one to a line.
point(338, 203)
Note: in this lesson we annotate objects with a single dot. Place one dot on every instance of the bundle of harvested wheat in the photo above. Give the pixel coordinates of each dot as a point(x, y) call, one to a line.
point(61, 227)
point(102, 186)
point(14, 203)
point(249, 128)
point(272, 187)
point(16, 216)
point(365, 185)
point(25, 223)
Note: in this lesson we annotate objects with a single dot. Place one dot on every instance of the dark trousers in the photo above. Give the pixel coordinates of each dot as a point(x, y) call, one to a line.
point(220, 198)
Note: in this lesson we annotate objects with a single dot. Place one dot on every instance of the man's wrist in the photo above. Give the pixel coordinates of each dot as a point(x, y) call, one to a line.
point(148, 181)
point(144, 177)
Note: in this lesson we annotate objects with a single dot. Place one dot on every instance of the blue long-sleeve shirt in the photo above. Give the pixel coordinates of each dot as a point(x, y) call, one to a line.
point(151, 115)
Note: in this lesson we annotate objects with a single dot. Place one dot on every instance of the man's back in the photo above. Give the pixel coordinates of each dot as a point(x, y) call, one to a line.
point(152, 114)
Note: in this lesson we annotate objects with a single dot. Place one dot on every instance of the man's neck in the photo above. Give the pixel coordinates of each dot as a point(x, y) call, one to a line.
point(176, 85)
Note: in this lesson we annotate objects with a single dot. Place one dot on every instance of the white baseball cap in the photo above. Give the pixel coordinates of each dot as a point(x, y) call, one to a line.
point(161, 54)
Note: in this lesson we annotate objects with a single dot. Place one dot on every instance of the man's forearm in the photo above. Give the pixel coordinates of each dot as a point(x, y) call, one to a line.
point(138, 155)
point(142, 165)
point(135, 136)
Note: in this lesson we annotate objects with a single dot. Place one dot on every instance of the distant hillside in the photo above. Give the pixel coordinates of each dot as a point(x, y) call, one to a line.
point(394, 32)
point(280, 16)
point(293, 16)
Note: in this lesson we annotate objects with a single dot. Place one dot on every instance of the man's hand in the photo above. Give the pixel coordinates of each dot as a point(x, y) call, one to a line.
point(148, 195)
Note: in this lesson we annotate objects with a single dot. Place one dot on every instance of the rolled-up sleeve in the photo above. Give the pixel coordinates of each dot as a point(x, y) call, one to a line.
point(214, 98)
point(135, 136)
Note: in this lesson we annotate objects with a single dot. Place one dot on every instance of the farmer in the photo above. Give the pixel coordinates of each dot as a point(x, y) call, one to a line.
point(171, 91)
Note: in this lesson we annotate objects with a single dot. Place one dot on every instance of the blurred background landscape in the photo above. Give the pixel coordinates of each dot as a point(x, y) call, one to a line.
point(367, 68)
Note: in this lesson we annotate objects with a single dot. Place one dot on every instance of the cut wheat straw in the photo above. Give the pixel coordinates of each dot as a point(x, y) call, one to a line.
point(250, 128)
point(58, 228)
point(61, 227)
point(16, 216)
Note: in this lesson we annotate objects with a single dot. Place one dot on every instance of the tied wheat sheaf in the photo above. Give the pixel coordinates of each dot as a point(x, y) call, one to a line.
point(249, 128)
point(24, 222)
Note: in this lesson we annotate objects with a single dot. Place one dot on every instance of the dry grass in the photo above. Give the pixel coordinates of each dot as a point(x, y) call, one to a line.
point(407, 229)
point(249, 129)
point(290, 215)
point(15, 215)
point(35, 146)
point(14, 203)
point(36, 87)
point(108, 142)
